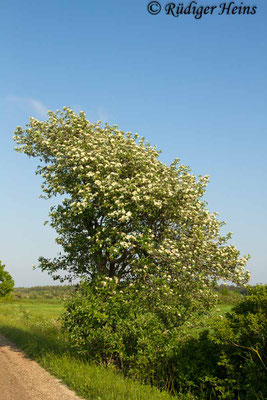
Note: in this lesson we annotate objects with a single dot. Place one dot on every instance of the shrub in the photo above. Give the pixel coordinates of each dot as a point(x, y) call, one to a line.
point(243, 337)
point(120, 328)
point(6, 282)
point(229, 361)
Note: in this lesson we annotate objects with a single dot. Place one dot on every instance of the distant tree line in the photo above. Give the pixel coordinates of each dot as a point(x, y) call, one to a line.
point(43, 292)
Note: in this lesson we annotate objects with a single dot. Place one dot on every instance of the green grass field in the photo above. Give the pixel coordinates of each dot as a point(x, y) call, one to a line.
point(36, 308)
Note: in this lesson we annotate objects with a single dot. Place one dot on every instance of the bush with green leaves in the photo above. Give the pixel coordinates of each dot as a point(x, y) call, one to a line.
point(230, 360)
point(243, 335)
point(6, 282)
point(120, 327)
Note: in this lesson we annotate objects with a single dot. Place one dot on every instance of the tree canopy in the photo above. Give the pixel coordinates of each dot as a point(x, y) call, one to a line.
point(6, 281)
point(123, 214)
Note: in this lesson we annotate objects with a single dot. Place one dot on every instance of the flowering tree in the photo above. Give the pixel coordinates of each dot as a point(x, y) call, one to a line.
point(125, 215)
point(6, 281)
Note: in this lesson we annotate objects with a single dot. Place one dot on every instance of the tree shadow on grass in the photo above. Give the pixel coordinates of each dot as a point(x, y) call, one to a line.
point(36, 345)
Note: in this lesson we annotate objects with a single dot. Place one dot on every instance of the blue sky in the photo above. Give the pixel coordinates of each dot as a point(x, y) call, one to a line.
point(195, 88)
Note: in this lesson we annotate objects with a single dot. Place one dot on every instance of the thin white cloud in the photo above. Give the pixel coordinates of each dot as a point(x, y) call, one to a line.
point(28, 104)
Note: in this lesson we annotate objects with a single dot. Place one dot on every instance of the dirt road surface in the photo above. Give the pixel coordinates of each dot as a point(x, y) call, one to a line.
point(23, 379)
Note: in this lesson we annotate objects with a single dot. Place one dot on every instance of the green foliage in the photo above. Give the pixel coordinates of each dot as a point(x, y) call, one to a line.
point(229, 361)
point(6, 282)
point(243, 335)
point(118, 327)
point(226, 362)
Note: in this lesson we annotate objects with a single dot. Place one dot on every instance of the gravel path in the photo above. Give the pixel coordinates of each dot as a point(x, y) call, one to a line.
point(23, 379)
